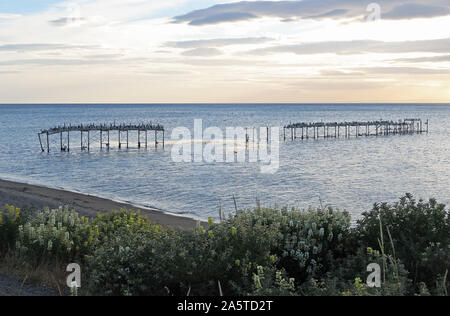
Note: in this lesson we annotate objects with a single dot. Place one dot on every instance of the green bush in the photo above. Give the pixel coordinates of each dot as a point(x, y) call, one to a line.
point(10, 220)
point(62, 235)
point(123, 221)
point(127, 265)
point(56, 235)
point(272, 282)
point(255, 252)
point(232, 252)
point(175, 262)
point(420, 233)
point(304, 243)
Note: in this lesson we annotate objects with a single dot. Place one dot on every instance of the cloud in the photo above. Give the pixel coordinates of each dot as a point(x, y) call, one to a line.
point(226, 17)
point(220, 42)
point(104, 56)
point(330, 14)
point(364, 71)
point(67, 21)
point(203, 52)
point(338, 73)
point(433, 59)
point(359, 47)
point(8, 16)
point(312, 9)
point(416, 10)
point(41, 47)
point(404, 71)
point(64, 62)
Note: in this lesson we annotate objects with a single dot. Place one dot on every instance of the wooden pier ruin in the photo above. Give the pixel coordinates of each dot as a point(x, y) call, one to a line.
point(103, 131)
point(355, 129)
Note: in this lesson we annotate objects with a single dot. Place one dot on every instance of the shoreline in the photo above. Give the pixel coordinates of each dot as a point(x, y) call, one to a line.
point(22, 194)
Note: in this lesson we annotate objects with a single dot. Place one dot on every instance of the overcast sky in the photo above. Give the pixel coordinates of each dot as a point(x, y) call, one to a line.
point(224, 51)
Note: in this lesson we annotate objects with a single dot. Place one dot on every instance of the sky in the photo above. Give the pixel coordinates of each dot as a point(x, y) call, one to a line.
point(187, 51)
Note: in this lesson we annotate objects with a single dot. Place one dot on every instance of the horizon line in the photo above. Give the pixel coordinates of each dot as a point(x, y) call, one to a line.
point(226, 103)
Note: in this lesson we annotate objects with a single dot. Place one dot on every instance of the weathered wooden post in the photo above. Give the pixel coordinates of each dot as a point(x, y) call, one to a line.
point(48, 144)
point(139, 138)
point(40, 142)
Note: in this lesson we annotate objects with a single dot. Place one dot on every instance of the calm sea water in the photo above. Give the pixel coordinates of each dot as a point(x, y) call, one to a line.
point(350, 174)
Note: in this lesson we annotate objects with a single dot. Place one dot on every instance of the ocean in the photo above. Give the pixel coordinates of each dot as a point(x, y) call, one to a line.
point(349, 174)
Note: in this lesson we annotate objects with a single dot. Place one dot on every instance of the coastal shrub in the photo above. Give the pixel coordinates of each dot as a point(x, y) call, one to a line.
point(63, 235)
point(175, 262)
point(56, 235)
point(304, 243)
point(420, 233)
point(131, 264)
point(272, 282)
point(242, 243)
point(263, 251)
point(234, 253)
point(349, 277)
point(123, 221)
point(10, 219)
point(313, 241)
point(9, 227)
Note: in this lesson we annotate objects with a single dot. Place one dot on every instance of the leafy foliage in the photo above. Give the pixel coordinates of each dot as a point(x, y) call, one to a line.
point(264, 251)
point(420, 233)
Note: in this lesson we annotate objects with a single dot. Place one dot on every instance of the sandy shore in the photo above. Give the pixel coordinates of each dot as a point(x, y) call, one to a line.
point(20, 195)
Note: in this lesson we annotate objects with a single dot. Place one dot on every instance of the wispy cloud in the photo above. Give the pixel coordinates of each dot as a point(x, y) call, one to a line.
point(136, 51)
point(219, 42)
point(417, 10)
point(404, 71)
point(431, 59)
point(312, 9)
point(68, 21)
point(203, 52)
point(359, 47)
point(7, 16)
point(41, 47)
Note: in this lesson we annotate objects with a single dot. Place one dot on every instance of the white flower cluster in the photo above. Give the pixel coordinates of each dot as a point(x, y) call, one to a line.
point(54, 231)
point(306, 235)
